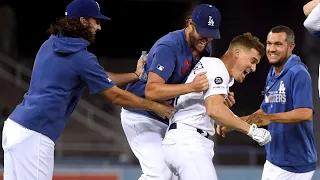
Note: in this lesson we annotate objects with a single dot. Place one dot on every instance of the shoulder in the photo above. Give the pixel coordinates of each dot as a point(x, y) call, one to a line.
point(212, 62)
point(172, 40)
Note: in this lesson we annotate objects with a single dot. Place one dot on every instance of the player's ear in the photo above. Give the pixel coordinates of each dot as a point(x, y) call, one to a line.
point(291, 46)
point(237, 52)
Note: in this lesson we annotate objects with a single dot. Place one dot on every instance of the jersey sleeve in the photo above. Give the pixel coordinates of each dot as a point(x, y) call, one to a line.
point(312, 22)
point(302, 90)
point(93, 74)
point(163, 62)
point(218, 78)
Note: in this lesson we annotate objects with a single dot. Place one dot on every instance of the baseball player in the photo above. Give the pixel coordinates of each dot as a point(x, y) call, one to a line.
point(169, 62)
point(187, 149)
point(287, 111)
point(62, 69)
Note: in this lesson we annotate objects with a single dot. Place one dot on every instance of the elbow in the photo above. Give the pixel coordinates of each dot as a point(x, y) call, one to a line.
point(213, 113)
point(310, 25)
point(151, 93)
point(307, 114)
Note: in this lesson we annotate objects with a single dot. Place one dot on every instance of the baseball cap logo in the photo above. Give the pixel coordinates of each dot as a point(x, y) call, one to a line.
point(210, 22)
point(98, 6)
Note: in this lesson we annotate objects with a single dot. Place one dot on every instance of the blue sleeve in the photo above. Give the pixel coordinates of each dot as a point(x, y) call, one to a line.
point(163, 62)
point(93, 74)
point(302, 90)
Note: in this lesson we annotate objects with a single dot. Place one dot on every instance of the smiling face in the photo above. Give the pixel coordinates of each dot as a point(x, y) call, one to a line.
point(246, 61)
point(278, 49)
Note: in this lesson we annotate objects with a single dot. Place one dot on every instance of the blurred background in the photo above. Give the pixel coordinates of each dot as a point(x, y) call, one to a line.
point(93, 145)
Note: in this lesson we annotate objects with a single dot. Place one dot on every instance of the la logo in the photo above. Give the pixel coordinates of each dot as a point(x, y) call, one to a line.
point(210, 22)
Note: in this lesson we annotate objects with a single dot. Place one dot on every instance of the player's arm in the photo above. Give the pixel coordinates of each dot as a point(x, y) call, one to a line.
point(312, 11)
point(301, 88)
point(127, 99)
point(307, 8)
point(93, 74)
point(161, 69)
point(125, 78)
point(245, 118)
point(122, 78)
point(218, 111)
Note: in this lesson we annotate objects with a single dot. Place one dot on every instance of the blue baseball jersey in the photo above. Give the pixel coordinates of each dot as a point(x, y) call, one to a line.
point(293, 145)
point(172, 59)
point(62, 69)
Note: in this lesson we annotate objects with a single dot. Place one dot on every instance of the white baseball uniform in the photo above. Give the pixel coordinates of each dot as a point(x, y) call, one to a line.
point(187, 150)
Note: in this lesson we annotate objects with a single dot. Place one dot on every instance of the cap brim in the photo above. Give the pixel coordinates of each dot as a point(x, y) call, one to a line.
point(102, 17)
point(208, 33)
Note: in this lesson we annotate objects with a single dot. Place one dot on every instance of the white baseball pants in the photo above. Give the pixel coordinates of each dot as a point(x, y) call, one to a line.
point(273, 172)
point(144, 136)
point(28, 155)
point(189, 154)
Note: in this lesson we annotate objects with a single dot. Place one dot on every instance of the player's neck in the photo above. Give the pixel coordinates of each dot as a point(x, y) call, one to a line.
point(227, 61)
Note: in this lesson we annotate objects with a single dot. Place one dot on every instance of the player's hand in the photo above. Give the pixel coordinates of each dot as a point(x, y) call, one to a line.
point(163, 110)
point(200, 83)
point(230, 101)
point(141, 61)
point(259, 119)
point(222, 130)
point(260, 135)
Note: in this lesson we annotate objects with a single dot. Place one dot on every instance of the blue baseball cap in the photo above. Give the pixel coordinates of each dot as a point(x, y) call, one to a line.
point(207, 21)
point(85, 8)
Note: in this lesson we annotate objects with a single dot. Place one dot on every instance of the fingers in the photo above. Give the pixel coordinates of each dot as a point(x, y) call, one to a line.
point(218, 130)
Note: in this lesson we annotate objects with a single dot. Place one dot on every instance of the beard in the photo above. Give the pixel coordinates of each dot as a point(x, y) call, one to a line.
point(194, 41)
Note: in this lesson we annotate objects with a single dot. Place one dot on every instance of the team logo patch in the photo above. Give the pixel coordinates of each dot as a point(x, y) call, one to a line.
point(218, 80)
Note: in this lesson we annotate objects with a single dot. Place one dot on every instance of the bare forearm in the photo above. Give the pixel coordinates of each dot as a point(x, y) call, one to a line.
point(291, 117)
point(309, 7)
point(130, 100)
point(159, 92)
point(245, 118)
point(122, 79)
point(222, 114)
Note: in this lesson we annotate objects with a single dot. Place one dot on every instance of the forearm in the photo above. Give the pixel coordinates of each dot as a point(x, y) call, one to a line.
point(160, 92)
point(122, 79)
point(126, 99)
point(245, 118)
point(312, 22)
point(307, 8)
point(223, 115)
point(291, 117)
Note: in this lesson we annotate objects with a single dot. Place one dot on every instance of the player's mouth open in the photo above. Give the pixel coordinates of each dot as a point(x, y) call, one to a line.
point(246, 72)
point(202, 43)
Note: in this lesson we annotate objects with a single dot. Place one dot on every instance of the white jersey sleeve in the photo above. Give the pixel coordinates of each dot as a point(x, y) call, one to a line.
point(312, 22)
point(217, 75)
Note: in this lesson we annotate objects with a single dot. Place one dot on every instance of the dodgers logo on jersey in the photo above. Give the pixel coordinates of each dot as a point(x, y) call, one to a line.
point(278, 96)
point(186, 66)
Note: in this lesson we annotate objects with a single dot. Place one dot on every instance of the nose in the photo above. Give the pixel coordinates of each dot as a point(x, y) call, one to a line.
point(254, 68)
point(271, 48)
point(98, 27)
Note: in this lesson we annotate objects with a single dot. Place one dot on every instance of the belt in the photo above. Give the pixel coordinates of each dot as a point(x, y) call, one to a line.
point(203, 133)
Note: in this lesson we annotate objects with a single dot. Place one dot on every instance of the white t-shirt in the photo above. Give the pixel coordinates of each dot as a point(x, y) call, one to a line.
point(191, 109)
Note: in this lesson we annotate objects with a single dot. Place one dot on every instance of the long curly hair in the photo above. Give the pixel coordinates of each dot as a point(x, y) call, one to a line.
point(71, 27)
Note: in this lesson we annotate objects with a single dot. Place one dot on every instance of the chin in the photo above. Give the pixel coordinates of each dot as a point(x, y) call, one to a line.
point(239, 79)
point(274, 61)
